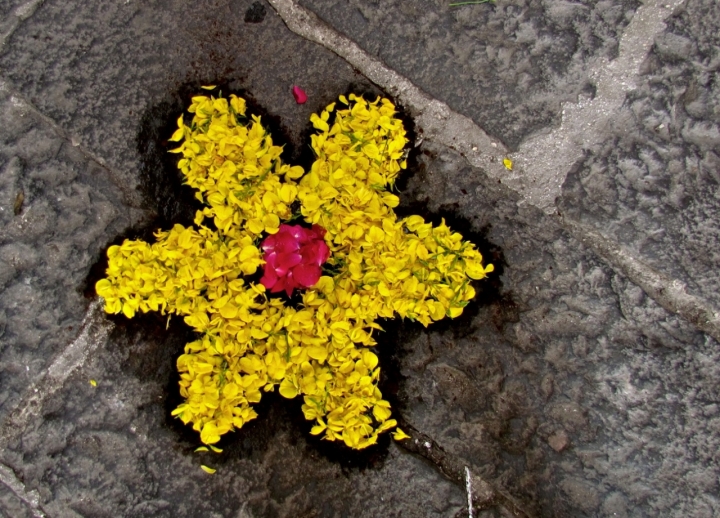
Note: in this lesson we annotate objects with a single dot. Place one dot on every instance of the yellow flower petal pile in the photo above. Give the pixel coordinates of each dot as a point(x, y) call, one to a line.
point(249, 343)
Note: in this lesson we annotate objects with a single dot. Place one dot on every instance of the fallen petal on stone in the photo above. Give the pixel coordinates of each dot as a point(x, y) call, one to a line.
point(299, 94)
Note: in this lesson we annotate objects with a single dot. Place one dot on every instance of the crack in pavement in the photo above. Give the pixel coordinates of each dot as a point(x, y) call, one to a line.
point(542, 162)
point(669, 293)
point(95, 329)
point(481, 493)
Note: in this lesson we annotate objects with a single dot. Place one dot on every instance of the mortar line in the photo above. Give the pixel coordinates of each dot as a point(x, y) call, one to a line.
point(435, 118)
point(29, 498)
point(130, 197)
point(20, 14)
point(667, 292)
point(94, 330)
point(439, 123)
point(544, 160)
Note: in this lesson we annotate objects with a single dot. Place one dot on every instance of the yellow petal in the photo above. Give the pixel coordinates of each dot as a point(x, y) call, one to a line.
point(207, 470)
point(93, 383)
point(201, 448)
point(209, 87)
point(508, 164)
point(288, 389)
point(399, 435)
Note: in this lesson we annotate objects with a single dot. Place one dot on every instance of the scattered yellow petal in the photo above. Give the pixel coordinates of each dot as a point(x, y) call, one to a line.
point(209, 87)
point(508, 163)
point(93, 383)
point(215, 449)
point(399, 435)
point(201, 448)
point(206, 469)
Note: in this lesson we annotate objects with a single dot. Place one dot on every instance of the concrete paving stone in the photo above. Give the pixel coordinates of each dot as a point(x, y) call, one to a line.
point(11, 505)
point(506, 66)
point(113, 450)
point(57, 211)
point(568, 348)
point(652, 183)
point(96, 68)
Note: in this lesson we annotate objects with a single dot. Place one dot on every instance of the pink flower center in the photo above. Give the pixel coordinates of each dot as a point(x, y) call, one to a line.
point(293, 258)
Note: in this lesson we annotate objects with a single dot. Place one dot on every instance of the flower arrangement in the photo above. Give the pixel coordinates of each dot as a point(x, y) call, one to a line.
point(348, 256)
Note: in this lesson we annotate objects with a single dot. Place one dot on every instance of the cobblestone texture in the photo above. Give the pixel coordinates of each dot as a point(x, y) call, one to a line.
point(57, 211)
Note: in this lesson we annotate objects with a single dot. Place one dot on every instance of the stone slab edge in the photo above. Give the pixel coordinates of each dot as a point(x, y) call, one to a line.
point(94, 330)
point(543, 161)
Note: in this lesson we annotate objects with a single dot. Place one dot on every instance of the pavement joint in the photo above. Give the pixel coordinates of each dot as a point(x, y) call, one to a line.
point(542, 162)
point(129, 197)
point(667, 292)
point(94, 330)
point(20, 14)
point(29, 498)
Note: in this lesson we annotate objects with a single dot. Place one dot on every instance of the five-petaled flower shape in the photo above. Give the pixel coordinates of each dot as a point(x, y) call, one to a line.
point(293, 258)
point(377, 266)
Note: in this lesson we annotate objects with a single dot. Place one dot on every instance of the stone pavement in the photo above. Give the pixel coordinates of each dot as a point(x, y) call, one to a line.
point(584, 382)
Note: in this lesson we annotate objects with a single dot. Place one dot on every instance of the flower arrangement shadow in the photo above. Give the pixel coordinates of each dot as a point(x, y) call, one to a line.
point(329, 233)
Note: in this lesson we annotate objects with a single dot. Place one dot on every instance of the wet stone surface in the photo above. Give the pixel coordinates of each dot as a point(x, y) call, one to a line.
point(57, 210)
point(508, 66)
point(652, 184)
point(564, 383)
point(571, 358)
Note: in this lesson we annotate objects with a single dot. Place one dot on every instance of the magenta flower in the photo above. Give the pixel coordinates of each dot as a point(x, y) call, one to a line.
point(293, 258)
point(299, 94)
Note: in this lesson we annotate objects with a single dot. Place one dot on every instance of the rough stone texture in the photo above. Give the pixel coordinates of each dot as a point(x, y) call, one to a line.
point(96, 68)
point(652, 184)
point(566, 384)
point(570, 347)
point(57, 211)
point(113, 450)
point(507, 66)
point(11, 505)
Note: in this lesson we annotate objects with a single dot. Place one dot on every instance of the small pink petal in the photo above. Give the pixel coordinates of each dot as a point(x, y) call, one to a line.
point(269, 279)
point(279, 285)
point(287, 261)
point(307, 274)
point(299, 94)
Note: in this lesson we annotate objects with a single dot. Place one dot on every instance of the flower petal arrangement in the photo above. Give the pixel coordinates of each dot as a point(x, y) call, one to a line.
point(348, 256)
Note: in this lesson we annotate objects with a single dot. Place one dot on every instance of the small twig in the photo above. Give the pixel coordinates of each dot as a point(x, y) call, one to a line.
point(475, 2)
point(486, 493)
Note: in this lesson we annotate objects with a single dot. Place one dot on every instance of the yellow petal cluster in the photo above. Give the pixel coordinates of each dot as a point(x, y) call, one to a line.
point(248, 343)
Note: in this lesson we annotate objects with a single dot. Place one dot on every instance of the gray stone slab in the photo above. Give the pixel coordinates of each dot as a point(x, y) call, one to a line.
point(113, 450)
point(652, 183)
point(569, 386)
point(96, 68)
point(507, 66)
point(574, 389)
point(57, 211)
point(11, 506)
